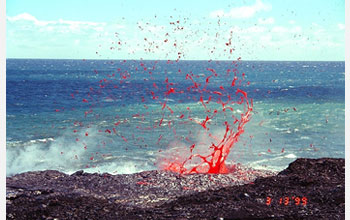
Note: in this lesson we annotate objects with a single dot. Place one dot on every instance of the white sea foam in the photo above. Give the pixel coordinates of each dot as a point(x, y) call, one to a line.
point(169, 100)
point(72, 152)
point(63, 153)
point(118, 168)
point(292, 156)
point(275, 163)
point(37, 156)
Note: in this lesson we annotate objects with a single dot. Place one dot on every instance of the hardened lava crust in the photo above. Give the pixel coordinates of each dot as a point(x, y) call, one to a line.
point(306, 189)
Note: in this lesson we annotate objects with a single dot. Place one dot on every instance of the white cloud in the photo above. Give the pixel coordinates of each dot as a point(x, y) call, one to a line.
point(24, 16)
point(242, 12)
point(194, 41)
point(319, 31)
point(250, 30)
point(254, 29)
point(27, 17)
point(77, 23)
point(150, 27)
point(266, 21)
point(341, 26)
point(280, 29)
point(57, 25)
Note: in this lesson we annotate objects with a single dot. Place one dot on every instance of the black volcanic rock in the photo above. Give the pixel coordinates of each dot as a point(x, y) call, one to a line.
point(307, 189)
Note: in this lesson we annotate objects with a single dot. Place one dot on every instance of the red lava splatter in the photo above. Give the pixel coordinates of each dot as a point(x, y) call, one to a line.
point(224, 95)
point(143, 183)
point(214, 162)
point(124, 139)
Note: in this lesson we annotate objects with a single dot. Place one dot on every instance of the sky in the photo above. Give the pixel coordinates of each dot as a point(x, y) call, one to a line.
point(191, 30)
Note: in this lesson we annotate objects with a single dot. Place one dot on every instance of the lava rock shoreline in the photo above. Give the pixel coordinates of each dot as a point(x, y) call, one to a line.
point(306, 189)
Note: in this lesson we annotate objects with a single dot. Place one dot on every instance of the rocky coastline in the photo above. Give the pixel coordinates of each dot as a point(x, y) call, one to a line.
point(306, 189)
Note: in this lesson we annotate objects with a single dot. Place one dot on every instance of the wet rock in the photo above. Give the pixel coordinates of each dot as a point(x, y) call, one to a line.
point(306, 189)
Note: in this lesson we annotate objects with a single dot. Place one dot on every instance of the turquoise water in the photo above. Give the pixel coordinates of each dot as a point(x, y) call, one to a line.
point(298, 112)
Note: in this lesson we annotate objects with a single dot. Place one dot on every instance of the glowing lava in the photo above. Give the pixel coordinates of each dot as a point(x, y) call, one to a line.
point(214, 162)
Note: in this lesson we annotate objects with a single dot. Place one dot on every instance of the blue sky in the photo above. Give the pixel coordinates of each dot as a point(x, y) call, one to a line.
point(200, 30)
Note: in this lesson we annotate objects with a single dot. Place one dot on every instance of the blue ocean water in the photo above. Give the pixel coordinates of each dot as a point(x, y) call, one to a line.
point(61, 113)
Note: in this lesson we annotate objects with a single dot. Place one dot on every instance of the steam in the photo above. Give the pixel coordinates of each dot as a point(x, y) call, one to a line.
point(69, 153)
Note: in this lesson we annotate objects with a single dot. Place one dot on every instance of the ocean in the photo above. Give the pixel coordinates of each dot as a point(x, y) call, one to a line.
point(125, 116)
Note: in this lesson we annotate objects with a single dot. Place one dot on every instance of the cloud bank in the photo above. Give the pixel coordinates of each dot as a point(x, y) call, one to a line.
point(242, 12)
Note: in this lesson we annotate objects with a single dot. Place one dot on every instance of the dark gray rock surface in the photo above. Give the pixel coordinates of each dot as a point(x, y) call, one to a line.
point(318, 183)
